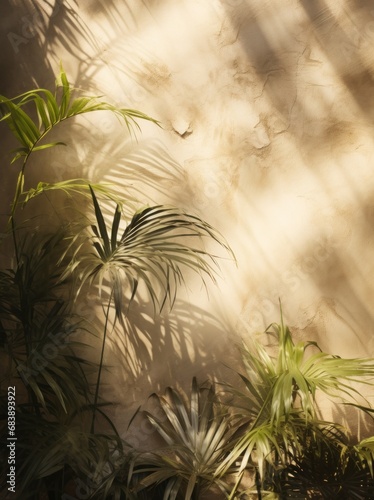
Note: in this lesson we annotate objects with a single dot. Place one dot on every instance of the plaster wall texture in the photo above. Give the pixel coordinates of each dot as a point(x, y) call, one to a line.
point(267, 110)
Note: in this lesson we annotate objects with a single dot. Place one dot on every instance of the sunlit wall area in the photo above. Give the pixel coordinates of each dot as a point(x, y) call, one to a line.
point(266, 111)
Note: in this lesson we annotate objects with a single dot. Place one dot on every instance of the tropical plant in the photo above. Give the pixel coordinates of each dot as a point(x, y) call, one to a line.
point(279, 402)
point(326, 468)
point(196, 435)
point(150, 248)
point(39, 354)
point(46, 274)
point(272, 429)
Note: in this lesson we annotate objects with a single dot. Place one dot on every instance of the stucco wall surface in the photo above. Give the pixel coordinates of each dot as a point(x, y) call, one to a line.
point(267, 110)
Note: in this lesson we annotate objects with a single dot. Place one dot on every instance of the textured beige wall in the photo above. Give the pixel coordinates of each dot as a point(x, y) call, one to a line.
point(267, 109)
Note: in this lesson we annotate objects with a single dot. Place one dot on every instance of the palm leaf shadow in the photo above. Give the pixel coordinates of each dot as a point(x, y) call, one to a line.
point(149, 349)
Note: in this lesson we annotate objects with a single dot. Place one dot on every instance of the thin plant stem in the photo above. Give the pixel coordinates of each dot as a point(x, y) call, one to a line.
point(25, 325)
point(101, 363)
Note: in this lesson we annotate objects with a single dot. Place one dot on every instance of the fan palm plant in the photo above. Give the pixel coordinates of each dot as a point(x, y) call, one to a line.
point(46, 275)
point(279, 400)
point(196, 437)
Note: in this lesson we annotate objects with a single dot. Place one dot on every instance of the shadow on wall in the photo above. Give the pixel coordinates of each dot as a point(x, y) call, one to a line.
point(151, 349)
point(286, 51)
point(140, 172)
point(307, 73)
point(359, 423)
point(145, 354)
point(37, 33)
point(324, 296)
point(345, 44)
point(37, 36)
point(29, 31)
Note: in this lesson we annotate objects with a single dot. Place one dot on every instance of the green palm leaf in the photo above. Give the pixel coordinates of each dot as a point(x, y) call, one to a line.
point(196, 435)
point(365, 452)
point(71, 187)
point(52, 109)
point(46, 447)
point(326, 465)
point(151, 249)
point(279, 400)
point(155, 247)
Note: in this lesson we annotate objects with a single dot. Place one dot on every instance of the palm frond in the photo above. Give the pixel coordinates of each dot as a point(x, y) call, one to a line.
point(302, 376)
point(155, 247)
point(365, 452)
point(37, 325)
point(32, 115)
point(53, 108)
point(326, 466)
point(72, 187)
point(47, 447)
point(151, 249)
point(278, 401)
point(196, 435)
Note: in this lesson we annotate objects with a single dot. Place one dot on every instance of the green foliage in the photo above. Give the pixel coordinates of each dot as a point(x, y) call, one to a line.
point(39, 331)
point(196, 435)
point(36, 325)
point(271, 431)
point(50, 453)
point(50, 110)
point(327, 468)
point(154, 247)
point(279, 397)
point(295, 376)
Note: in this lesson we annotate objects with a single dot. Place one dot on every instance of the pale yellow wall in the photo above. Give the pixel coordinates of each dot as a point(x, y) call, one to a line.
point(268, 108)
